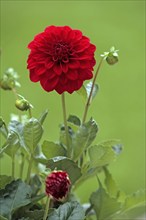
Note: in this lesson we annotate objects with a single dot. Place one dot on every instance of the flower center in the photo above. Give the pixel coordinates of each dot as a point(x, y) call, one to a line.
point(61, 53)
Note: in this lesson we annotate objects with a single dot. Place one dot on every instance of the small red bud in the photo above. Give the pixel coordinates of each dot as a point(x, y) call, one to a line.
point(57, 185)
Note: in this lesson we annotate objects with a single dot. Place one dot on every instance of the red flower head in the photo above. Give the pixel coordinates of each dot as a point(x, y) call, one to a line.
point(61, 59)
point(57, 184)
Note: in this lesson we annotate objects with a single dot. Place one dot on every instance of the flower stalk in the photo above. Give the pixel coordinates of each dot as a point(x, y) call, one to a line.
point(90, 95)
point(65, 122)
point(46, 208)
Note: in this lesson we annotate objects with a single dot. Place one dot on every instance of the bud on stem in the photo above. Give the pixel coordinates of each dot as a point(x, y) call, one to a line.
point(57, 185)
point(22, 104)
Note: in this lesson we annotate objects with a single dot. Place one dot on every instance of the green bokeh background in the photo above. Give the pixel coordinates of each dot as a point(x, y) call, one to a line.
point(119, 107)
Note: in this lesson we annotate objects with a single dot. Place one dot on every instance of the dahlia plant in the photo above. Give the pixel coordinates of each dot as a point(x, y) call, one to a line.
point(61, 59)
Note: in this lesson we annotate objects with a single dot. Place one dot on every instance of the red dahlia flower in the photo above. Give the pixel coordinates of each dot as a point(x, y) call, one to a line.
point(61, 59)
point(57, 185)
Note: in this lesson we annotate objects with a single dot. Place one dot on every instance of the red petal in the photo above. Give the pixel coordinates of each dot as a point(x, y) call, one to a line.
point(31, 64)
point(63, 79)
point(85, 74)
point(40, 69)
point(64, 67)
point(57, 69)
point(74, 64)
point(49, 64)
point(82, 45)
point(33, 76)
point(49, 84)
point(72, 74)
point(73, 86)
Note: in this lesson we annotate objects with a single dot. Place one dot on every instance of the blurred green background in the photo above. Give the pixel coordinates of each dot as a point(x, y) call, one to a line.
point(119, 107)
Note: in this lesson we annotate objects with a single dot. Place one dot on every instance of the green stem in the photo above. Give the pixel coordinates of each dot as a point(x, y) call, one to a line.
point(88, 210)
point(22, 166)
point(15, 93)
point(29, 169)
point(13, 166)
point(46, 209)
point(65, 122)
point(30, 113)
point(90, 95)
point(6, 129)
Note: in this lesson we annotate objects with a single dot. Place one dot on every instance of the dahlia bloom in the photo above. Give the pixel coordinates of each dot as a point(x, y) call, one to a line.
point(61, 59)
point(57, 185)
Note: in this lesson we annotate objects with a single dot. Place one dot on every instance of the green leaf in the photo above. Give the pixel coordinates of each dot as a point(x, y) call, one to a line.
point(62, 138)
point(112, 187)
point(110, 184)
point(83, 138)
point(51, 149)
point(40, 159)
point(83, 93)
point(34, 215)
point(103, 153)
point(134, 206)
point(3, 218)
point(4, 180)
point(18, 127)
point(92, 131)
point(95, 90)
point(43, 117)
point(134, 200)
point(104, 205)
point(32, 133)
point(12, 144)
point(68, 211)
point(138, 213)
point(35, 184)
point(15, 195)
point(65, 164)
point(74, 119)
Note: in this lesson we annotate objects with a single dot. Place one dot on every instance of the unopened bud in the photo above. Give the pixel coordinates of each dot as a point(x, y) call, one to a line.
point(5, 85)
point(57, 185)
point(111, 59)
point(9, 80)
point(22, 104)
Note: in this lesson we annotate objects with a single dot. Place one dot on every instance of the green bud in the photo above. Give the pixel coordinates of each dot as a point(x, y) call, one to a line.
point(9, 80)
point(22, 104)
point(111, 59)
point(5, 85)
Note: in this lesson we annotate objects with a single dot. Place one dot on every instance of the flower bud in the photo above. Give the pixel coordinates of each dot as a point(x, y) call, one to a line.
point(111, 59)
point(22, 104)
point(5, 85)
point(9, 80)
point(57, 185)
